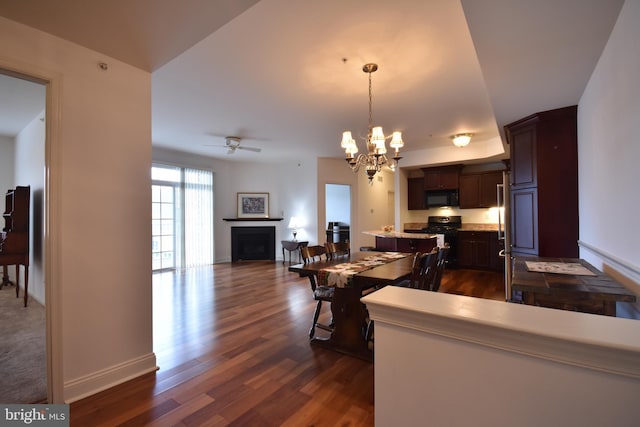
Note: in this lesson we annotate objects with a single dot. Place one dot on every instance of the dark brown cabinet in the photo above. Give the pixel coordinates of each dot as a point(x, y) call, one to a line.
point(14, 238)
point(479, 190)
point(473, 249)
point(415, 193)
point(401, 244)
point(441, 178)
point(544, 183)
point(479, 249)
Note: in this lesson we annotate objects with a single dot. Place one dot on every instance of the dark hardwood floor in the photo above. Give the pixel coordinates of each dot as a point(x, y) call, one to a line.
point(232, 346)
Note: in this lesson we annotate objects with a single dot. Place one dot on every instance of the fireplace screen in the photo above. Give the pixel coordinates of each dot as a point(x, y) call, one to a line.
point(253, 243)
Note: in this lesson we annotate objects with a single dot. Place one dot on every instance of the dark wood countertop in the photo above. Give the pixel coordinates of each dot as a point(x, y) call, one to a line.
point(593, 294)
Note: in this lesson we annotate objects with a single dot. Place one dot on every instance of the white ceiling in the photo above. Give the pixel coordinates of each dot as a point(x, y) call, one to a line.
point(287, 75)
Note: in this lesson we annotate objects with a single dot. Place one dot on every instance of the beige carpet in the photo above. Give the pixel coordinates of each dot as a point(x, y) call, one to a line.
point(23, 374)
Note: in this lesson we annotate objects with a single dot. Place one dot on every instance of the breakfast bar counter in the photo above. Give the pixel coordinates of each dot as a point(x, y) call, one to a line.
point(397, 241)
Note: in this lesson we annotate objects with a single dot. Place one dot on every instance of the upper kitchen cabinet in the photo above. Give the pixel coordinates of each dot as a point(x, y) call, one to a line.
point(479, 190)
point(415, 193)
point(441, 178)
point(544, 183)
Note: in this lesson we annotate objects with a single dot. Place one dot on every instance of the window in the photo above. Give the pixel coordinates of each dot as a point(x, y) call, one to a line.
point(182, 216)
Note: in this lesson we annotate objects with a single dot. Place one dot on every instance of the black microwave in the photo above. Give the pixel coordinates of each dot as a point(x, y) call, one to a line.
point(436, 199)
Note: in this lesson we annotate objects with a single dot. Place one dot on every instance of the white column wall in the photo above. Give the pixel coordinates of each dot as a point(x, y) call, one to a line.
point(450, 360)
point(608, 156)
point(99, 238)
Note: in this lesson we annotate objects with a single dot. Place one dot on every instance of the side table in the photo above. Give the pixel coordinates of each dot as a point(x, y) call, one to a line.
point(291, 246)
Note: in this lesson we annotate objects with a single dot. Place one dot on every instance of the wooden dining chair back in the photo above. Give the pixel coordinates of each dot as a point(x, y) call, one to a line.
point(419, 259)
point(338, 249)
point(320, 293)
point(427, 271)
point(440, 265)
point(422, 270)
point(313, 253)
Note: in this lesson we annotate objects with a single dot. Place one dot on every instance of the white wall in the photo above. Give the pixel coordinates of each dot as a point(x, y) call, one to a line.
point(372, 208)
point(609, 154)
point(6, 163)
point(295, 189)
point(29, 170)
point(291, 188)
point(100, 237)
point(368, 202)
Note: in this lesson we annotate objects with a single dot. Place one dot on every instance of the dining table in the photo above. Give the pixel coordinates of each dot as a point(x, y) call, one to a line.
point(369, 271)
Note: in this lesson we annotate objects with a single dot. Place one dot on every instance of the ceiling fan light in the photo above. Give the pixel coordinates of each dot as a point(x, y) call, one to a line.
point(461, 139)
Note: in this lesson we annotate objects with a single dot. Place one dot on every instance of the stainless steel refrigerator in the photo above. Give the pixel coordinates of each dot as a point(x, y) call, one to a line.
point(504, 229)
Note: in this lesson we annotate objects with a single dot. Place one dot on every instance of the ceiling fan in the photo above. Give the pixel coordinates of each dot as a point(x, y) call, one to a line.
point(232, 143)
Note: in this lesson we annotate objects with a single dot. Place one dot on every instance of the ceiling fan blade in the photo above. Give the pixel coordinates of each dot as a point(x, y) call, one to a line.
point(255, 149)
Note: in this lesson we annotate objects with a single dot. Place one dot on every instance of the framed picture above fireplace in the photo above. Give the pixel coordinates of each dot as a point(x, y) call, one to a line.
point(253, 205)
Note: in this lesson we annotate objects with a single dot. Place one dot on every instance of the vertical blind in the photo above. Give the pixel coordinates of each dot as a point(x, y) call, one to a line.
point(198, 217)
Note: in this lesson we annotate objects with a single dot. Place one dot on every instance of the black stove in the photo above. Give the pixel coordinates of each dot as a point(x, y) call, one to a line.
point(443, 224)
point(448, 226)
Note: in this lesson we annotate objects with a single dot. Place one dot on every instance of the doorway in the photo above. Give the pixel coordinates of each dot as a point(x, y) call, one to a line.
point(338, 211)
point(23, 143)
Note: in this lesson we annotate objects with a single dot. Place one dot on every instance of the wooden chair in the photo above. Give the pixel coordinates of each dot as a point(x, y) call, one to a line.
point(440, 265)
point(423, 270)
point(320, 293)
point(338, 249)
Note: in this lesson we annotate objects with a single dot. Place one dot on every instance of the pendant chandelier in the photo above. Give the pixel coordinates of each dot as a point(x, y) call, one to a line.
point(376, 157)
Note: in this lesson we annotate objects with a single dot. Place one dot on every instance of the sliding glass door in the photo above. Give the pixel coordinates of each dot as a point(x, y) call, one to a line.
point(182, 215)
point(163, 207)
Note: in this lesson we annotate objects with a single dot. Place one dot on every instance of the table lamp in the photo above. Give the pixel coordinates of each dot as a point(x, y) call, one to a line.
point(294, 223)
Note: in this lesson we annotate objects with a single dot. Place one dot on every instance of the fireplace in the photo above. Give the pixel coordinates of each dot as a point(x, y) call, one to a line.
point(253, 243)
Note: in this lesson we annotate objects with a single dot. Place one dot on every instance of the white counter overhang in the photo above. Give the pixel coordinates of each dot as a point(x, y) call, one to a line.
point(596, 342)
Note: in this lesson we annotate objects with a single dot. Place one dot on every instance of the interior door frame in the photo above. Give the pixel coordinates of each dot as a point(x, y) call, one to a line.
point(51, 229)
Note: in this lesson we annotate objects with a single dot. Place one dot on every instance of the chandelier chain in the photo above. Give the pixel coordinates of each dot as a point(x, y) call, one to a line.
point(370, 109)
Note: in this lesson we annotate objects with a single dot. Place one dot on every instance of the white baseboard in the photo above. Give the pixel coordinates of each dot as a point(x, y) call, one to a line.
point(96, 382)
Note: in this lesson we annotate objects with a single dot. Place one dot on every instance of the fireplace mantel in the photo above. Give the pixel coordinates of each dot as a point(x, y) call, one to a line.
point(252, 219)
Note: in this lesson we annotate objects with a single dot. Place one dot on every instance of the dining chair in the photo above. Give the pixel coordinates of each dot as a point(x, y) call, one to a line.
point(440, 265)
point(320, 293)
point(423, 270)
point(338, 249)
point(422, 273)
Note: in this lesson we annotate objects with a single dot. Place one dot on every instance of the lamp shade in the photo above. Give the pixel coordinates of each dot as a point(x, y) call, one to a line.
point(346, 139)
point(294, 222)
point(396, 140)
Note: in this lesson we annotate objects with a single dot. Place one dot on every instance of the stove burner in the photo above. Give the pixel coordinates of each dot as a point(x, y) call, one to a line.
point(443, 224)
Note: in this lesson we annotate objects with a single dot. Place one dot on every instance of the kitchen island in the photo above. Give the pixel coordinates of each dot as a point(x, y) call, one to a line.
point(396, 241)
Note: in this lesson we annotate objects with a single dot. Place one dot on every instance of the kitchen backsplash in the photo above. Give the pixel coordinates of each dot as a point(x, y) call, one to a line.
point(470, 216)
